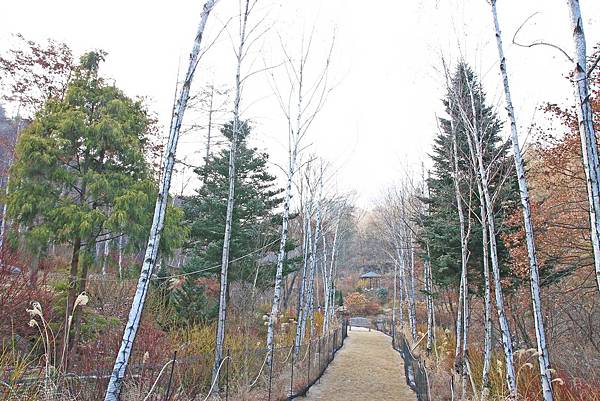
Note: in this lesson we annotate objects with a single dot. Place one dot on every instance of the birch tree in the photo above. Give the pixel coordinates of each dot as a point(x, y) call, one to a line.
point(410, 285)
point(309, 309)
point(462, 329)
point(469, 117)
point(462, 319)
point(587, 134)
point(312, 205)
point(330, 273)
point(240, 54)
point(390, 215)
point(427, 276)
point(309, 101)
point(116, 380)
point(307, 249)
point(591, 156)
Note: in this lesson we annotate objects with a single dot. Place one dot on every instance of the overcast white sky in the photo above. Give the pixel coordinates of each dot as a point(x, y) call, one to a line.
point(380, 117)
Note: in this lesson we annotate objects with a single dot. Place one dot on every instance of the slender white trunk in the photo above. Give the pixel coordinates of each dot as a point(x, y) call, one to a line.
point(313, 270)
point(323, 270)
point(459, 328)
point(309, 310)
point(105, 256)
point(587, 134)
point(487, 338)
point(120, 256)
point(116, 380)
point(329, 279)
point(401, 275)
point(465, 340)
point(208, 135)
point(542, 349)
point(412, 310)
point(463, 305)
point(428, 278)
point(395, 293)
point(302, 289)
point(220, 333)
point(280, 260)
point(4, 209)
point(429, 290)
point(476, 151)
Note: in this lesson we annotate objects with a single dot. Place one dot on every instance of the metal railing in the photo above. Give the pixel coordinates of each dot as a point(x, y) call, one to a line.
point(189, 377)
point(415, 370)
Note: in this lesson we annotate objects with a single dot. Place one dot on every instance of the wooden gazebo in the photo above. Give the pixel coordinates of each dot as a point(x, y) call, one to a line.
point(374, 279)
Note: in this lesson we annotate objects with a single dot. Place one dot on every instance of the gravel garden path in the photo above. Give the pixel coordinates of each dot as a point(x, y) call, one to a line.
point(365, 369)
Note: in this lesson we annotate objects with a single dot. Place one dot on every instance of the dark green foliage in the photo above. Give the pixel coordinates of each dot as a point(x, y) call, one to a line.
point(441, 224)
point(382, 294)
point(255, 226)
point(192, 303)
point(80, 170)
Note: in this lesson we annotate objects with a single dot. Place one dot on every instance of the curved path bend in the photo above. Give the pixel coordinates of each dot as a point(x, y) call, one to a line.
point(366, 369)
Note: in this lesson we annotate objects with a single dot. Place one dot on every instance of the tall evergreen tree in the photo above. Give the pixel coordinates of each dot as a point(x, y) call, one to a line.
point(254, 227)
point(80, 173)
point(441, 225)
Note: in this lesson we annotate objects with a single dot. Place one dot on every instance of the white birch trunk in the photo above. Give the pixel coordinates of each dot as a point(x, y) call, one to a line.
point(313, 270)
point(465, 339)
point(401, 275)
point(542, 349)
point(220, 333)
point(4, 209)
point(309, 310)
point(209, 133)
point(116, 380)
point(323, 270)
point(476, 151)
point(459, 328)
point(302, 289)
point(105, 256)
point(280, 261)
point(487, 338)
point(429, 289)
point(463, 307)
point(587, 134)
point(120, 256)
point(329, 280)
point(395, 295)
point(411, 291)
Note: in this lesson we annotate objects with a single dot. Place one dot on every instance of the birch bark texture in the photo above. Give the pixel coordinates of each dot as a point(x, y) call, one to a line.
point(410, 289)
point(461, 318)
point(307, 235)
point(309, 308)
point(220, 332)
point(307, 107)
point(116, 379)
point(474, 140)
point(427, 274)
point(587, 134)
point(487, 304)
point(329, 274)
point(534, 279)
point(4, 209)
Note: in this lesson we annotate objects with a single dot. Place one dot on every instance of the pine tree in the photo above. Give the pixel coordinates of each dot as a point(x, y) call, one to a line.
point(441, 225)
point(254, 226)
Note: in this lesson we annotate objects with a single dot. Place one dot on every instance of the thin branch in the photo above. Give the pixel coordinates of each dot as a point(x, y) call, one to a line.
point(539, 42)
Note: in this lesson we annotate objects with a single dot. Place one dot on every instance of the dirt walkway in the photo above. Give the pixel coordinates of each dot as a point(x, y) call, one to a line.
point(365, 369)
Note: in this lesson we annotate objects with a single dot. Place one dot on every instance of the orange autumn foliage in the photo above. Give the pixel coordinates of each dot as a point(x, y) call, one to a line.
point(558, 195)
